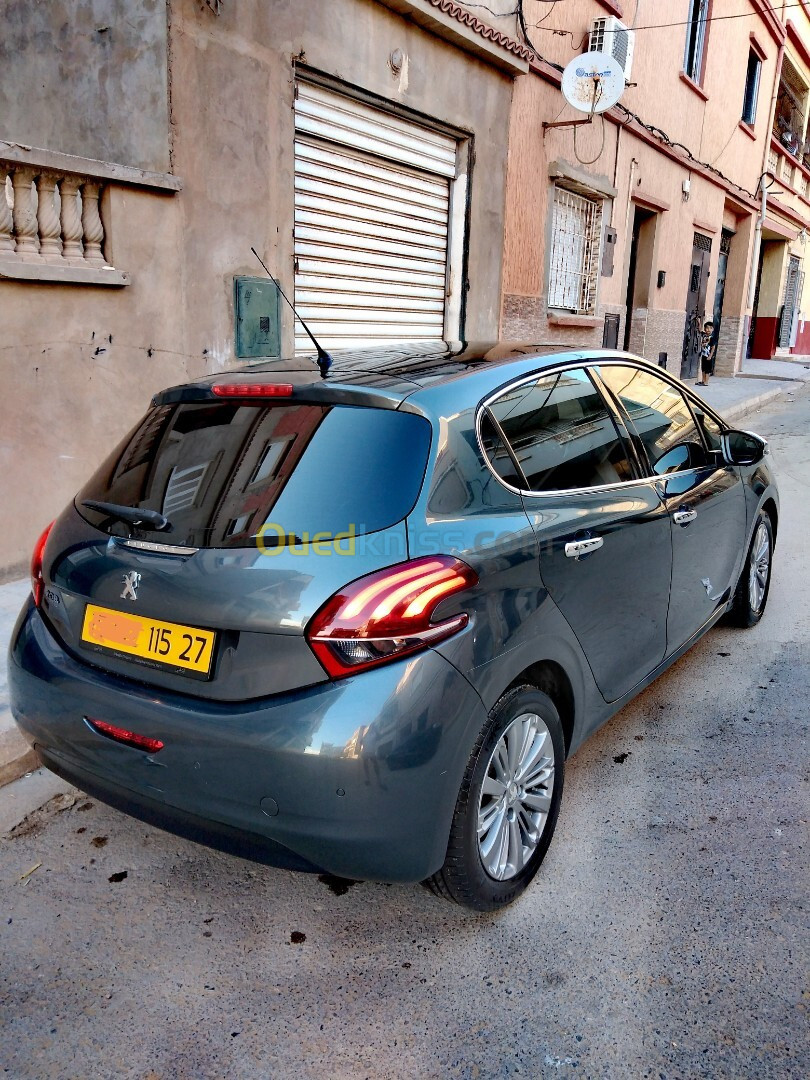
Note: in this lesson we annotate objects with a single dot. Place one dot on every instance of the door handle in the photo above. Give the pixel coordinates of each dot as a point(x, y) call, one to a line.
point(575, 548)
point(683, 517)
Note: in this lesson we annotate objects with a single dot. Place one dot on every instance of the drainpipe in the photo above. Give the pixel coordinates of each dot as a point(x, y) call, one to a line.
point(752, 280)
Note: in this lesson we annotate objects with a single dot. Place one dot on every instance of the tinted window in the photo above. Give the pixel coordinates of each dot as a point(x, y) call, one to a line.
point(562, 434)
point(660, 415)
point(221, 472)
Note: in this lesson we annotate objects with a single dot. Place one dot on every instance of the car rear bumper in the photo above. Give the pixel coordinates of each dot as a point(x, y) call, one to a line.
point(357, 777)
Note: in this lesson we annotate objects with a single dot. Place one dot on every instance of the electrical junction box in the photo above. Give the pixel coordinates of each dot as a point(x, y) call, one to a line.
point(608, 251)
point(258, 318)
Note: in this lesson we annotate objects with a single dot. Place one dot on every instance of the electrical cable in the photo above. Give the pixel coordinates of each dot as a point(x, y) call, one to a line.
point(631, 117)
point(590, 161)
point(663, 26)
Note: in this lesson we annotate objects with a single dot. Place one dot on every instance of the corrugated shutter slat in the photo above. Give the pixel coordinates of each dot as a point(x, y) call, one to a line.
point(372, 199)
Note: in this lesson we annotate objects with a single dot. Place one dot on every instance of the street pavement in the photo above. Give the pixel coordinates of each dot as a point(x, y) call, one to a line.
point(666, 936)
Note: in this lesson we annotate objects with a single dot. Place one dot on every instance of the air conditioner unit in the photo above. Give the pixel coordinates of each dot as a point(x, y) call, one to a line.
point(610, 36)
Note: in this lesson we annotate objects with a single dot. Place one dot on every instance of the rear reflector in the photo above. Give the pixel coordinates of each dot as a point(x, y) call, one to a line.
point(253, 390)
point(129, 738)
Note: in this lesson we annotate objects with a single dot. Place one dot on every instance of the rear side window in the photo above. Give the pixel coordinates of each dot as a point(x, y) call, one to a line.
point(562, 434)
point(660, 415)
point(223, 473)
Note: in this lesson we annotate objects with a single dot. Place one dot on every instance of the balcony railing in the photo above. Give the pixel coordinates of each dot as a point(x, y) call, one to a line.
point(789, 170)
point(52, 224)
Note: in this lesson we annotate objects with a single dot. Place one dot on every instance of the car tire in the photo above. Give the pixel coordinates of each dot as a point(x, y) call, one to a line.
point(751, 594)
point(507, 805)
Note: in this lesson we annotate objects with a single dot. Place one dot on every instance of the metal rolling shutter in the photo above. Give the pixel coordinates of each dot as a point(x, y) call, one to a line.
point(372, 206)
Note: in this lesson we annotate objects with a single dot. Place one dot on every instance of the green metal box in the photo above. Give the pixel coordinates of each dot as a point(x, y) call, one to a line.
point(258, 318)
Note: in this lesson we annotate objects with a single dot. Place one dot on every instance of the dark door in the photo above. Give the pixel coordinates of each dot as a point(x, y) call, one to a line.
point(752, 329)
point(789, 303)
point(695, 304)
point(603, 533)
point(720, 286)
point(704, 498)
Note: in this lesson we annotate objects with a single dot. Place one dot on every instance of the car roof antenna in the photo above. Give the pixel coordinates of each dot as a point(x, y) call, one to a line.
point(324, 359)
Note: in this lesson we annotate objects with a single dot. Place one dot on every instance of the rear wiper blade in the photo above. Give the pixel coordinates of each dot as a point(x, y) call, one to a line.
point(131, 515)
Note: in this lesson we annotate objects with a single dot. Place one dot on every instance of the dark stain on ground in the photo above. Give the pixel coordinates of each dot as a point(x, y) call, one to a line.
point(81, 830)
point(621, 758)
point(724, 654)
point(117, 877)
point(99, 841)
point(338, 885)
point(297, 938)
point(85, 806)
point(639, 738)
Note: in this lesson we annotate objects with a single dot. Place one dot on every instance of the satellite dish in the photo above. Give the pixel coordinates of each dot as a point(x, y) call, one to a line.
point(593, 82)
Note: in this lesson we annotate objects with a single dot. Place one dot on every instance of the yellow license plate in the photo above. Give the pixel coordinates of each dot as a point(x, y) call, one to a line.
point(158, 642)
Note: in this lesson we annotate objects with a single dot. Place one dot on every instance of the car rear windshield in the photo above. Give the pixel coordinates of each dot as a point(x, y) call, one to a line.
point(227, 474)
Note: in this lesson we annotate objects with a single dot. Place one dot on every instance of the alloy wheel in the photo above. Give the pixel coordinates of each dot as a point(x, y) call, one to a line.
point(759, 568)
point(515, 796)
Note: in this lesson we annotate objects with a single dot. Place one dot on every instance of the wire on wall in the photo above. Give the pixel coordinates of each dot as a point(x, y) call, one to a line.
point(630, 117)
point(590, 161)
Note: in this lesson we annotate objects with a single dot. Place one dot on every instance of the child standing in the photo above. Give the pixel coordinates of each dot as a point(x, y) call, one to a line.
point(707, 351)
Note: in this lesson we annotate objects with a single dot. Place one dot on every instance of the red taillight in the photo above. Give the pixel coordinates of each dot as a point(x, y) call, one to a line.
point(253, 390)
point(386, 615)
point(140, 742)
point(36, 565)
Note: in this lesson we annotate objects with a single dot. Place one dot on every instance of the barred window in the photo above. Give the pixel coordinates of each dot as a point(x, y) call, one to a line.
point(576, 236)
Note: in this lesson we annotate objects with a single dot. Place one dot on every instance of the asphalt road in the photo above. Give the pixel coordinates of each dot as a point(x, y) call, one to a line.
point(666, 937)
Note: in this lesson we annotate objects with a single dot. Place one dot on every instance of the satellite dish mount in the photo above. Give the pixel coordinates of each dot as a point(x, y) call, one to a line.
point(591, 83)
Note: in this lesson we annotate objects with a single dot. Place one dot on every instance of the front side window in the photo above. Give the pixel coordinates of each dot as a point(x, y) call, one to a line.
point(562, 434)
point(749, 112)
point(661, 417)
point(576, 235)
point(695, 39)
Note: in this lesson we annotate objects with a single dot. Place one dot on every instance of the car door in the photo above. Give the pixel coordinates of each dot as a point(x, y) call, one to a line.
point(602, 529)
point(704, 495)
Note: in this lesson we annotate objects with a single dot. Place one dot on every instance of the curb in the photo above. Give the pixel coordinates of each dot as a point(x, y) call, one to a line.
point(16, 757)
point(752, 405)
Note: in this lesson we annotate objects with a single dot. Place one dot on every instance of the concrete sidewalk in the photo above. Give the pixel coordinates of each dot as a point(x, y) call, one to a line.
point(762, 382)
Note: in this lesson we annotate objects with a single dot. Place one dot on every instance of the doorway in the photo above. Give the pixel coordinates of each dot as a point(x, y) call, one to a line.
point(642, 244)
point(720, 287)
point(695, 304)
point(790, 304)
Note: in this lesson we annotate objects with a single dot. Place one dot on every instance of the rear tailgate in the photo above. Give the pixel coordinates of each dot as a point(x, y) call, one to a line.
point(273, 507)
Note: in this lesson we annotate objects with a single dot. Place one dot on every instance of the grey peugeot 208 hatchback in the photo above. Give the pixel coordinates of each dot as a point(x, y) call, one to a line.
point(357, 623)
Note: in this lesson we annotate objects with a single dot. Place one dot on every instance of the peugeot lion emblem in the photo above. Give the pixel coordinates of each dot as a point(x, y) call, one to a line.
point(131, 582)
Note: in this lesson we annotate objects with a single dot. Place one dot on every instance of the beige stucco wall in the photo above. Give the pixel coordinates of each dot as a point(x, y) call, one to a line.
point(237, 156)
point(642, 174)
point(78, 364)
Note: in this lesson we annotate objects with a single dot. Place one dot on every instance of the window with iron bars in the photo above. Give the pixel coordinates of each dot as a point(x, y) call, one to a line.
point(576, 235)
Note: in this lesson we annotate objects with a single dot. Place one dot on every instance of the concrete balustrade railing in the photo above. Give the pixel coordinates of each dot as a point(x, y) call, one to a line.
point(47, 216)
point(51, 222)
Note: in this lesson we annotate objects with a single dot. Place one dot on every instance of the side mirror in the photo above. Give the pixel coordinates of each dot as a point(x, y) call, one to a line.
point(743, 447)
